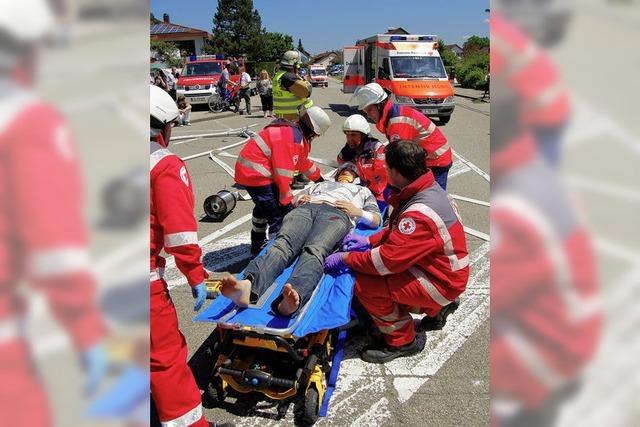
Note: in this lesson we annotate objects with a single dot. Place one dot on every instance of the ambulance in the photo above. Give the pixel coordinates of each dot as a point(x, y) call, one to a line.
point(200, 75)
point(408, 65)
point(318, 75)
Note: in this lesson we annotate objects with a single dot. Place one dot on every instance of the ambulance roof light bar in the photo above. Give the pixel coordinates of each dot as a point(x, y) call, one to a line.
point(413, 38)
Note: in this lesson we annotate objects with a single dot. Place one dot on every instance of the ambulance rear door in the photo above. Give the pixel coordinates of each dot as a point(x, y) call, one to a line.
point(353, 72)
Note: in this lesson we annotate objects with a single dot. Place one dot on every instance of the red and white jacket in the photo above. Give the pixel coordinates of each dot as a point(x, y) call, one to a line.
point(546, 317)
point(43, 235)
point(370, 160)
point(401, 122)
point(273, 155)
point(173, 226)
point(530, 73)
point(425, 237)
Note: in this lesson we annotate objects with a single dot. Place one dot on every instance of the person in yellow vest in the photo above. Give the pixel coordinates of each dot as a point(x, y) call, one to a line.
point(289, 90)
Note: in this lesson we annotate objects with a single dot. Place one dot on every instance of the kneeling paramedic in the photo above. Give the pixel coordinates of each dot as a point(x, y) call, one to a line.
point(174, 229)
point(266, 165)
point(417, 264)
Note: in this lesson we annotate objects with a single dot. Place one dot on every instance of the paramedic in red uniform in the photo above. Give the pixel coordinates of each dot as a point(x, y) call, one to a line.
point(546, 319)
point(44, 242)
point(367, 153)
point(266, 165)
point(544, 100)
point(417, 264)
point(401, 122)
point(174, 229)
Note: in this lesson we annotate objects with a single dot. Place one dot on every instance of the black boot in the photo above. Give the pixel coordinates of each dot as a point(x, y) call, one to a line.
point(258, 241)
point(386, 353)
point(436, 323)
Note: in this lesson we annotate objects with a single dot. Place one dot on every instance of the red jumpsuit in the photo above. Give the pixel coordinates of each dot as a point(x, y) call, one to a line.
point(43, 242)
point(405, 123)
point(272, 156)
point(545, 317)
point(174, 229)
point(370, 160)
point(418, 264)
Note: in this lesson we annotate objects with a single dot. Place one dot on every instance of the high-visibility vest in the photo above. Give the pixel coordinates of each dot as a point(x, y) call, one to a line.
point(285, 103)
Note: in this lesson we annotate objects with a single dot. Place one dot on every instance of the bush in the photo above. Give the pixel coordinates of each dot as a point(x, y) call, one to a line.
point(472, 70)
point(474, 79)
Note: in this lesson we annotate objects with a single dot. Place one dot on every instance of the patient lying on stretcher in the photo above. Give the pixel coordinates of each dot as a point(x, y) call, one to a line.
point(324, 214)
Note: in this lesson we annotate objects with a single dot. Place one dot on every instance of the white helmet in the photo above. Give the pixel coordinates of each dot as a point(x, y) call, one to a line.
point(163, 108)
point(369, 94)
point(26, 20)
point(320, 121)
point(356, 122)
point(291, 58)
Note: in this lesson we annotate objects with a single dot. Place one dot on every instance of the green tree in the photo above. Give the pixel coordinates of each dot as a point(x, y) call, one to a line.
point(237, 28)
point(167, 52)
point(237, 31)
point(272, 46)
point(474, 44)
point(449, 59)
point(300, 48)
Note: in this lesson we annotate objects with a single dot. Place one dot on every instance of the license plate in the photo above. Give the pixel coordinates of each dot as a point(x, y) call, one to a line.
point(198, 99)
point(430, 111)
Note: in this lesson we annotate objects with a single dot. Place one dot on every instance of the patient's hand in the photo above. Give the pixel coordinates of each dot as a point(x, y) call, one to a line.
point(348, 208)
point(304, 199)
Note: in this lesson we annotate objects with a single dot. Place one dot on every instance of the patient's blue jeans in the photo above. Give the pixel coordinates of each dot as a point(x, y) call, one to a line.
point(313, 231)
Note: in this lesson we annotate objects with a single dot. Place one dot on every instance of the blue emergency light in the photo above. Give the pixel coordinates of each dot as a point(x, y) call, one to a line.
point(397, 38)
point(427, 38)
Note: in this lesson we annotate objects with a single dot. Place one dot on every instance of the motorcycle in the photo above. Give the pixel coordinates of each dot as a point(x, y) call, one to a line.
point(218, 103)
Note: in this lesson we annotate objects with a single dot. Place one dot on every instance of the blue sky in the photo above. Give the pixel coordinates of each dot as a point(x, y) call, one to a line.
point(330, 24)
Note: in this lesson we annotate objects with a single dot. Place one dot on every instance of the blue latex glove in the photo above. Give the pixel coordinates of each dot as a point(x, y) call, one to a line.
point(199, 292)
point(335, 262)
point(94, 362)
point(355, 243)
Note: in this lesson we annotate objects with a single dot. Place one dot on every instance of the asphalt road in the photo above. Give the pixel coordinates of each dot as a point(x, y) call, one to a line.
point(449, 380)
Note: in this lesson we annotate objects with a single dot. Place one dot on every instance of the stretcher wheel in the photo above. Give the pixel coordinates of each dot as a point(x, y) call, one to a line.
point(215, 392)
point(305, 412)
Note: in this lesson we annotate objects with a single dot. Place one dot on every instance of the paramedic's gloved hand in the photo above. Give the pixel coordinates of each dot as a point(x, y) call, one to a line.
point(335, 262)
point(199, 292)
point(94, 362)
point(321, 179)
point(355, 243)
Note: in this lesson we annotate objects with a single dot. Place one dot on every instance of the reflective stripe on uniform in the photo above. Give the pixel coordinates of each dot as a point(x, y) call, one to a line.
point(9, 329)
point(378, 263)
point(259, 224)
point(533, 360)
point(422, 132)
point(180, 239)
point(391, 317)
point(51, 262)
point(284, 172)
point(185, 420)
point(438, 152)
point(261, 144)
point(455, 262)
point(255, 166)
point(387, 329)
point(156, 274)
point(309, 172)
point(285, 102)
point(431, 289)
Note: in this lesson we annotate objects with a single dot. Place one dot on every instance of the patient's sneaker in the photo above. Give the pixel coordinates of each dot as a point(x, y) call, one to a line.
point(239, 291)
point(385, 353)
point(290, 301)
point(436, 323)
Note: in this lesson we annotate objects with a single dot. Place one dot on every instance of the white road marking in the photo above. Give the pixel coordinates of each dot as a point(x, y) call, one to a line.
point(472, 166)
point(477, 233)
point(470, 200)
